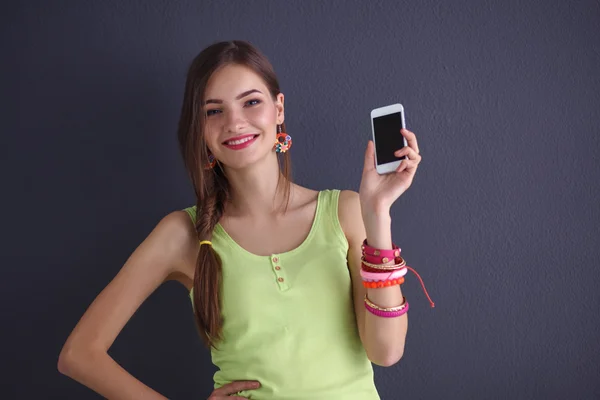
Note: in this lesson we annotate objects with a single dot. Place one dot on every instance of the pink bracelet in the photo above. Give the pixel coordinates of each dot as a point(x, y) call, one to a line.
point(382, 276)
point(386, 314)
point(377, 260)
point(380, 253)
point(387, 255)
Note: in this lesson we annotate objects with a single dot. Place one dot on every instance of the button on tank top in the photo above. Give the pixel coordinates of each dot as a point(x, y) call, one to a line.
point(288, 318)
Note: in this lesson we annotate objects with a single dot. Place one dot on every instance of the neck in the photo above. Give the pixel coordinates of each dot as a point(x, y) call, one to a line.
point(254, 191)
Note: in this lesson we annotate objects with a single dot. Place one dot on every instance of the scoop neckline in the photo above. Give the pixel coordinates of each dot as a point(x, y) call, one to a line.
point(311, 233)
point(293, 251)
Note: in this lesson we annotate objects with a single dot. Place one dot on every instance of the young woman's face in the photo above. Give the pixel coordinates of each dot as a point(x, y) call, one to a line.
point(241, 116)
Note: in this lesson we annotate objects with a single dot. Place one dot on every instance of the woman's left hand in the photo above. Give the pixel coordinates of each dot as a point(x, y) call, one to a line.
point(379, 192)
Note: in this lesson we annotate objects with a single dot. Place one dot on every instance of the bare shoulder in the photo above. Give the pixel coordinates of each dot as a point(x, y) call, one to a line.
point(349, 198)
point(350, 215)
point(178, 237)
point(169, 251)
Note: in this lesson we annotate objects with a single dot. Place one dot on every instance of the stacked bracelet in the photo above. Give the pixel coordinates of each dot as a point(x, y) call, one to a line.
point(379, 276)
point(376, 275)
point(382, 284)
point(379, 256)
point(386, 312)
point(400, 263)
point(375, 306)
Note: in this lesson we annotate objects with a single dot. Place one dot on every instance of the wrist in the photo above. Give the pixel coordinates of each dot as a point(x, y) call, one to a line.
point(379, 233)
point(375, 213)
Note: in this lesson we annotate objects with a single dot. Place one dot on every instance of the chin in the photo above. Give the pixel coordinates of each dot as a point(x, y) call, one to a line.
point(251, 160)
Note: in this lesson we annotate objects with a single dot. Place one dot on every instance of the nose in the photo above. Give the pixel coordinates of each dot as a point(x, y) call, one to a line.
point(234, 121)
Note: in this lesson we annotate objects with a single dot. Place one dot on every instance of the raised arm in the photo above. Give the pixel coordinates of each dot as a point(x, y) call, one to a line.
point(168, 253)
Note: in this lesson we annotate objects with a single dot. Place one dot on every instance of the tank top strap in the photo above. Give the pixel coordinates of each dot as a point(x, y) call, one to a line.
point(192, 213)
point(330, 229)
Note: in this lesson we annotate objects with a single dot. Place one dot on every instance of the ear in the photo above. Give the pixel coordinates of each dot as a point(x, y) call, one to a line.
point(280, 108)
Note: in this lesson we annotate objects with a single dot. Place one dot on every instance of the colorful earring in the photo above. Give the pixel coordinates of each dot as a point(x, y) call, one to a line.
point(283, 141)
point(212, 161)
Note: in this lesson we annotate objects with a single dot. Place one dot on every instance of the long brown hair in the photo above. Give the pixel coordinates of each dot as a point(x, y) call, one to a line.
point(211, 186)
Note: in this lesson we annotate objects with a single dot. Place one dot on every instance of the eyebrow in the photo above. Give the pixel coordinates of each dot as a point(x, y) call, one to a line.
point(239, 96)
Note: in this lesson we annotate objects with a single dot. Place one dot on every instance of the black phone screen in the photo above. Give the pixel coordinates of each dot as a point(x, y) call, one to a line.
point(388, 138)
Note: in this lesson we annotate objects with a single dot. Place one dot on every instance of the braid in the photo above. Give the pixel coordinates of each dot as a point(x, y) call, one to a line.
point(208, 273)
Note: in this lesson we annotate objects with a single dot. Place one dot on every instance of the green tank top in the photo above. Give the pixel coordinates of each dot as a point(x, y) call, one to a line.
point(288, 318)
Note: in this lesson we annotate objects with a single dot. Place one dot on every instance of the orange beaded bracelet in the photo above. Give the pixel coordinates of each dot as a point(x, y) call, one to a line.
point(381, 284)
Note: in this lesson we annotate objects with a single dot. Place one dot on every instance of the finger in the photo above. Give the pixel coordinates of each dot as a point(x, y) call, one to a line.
point(409, 152)
point(228, 398)
point(402, 166)
point(237, 386)
point(369, 157)
point(411, 139)
point(407, 165)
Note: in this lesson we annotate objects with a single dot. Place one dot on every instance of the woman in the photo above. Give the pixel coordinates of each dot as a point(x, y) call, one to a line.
point(275, 271)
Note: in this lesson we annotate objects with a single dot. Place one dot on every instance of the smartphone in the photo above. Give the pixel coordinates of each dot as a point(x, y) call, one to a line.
point(386, 123)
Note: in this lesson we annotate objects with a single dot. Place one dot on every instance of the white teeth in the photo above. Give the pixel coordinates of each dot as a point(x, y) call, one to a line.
point(236, 142)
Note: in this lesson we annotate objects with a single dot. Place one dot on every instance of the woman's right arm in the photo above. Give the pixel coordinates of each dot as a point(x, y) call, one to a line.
point(167, 253)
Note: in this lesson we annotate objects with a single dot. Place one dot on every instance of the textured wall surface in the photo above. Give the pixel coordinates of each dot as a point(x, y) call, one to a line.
point(502, 219)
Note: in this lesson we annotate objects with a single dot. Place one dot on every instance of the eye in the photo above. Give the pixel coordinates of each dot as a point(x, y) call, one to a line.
point(257, 101)
point(253, 102)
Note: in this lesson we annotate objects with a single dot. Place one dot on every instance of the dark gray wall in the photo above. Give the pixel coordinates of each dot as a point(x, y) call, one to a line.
point(502, 220)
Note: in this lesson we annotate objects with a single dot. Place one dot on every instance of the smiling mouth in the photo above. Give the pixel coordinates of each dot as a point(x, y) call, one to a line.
point(240, 141)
